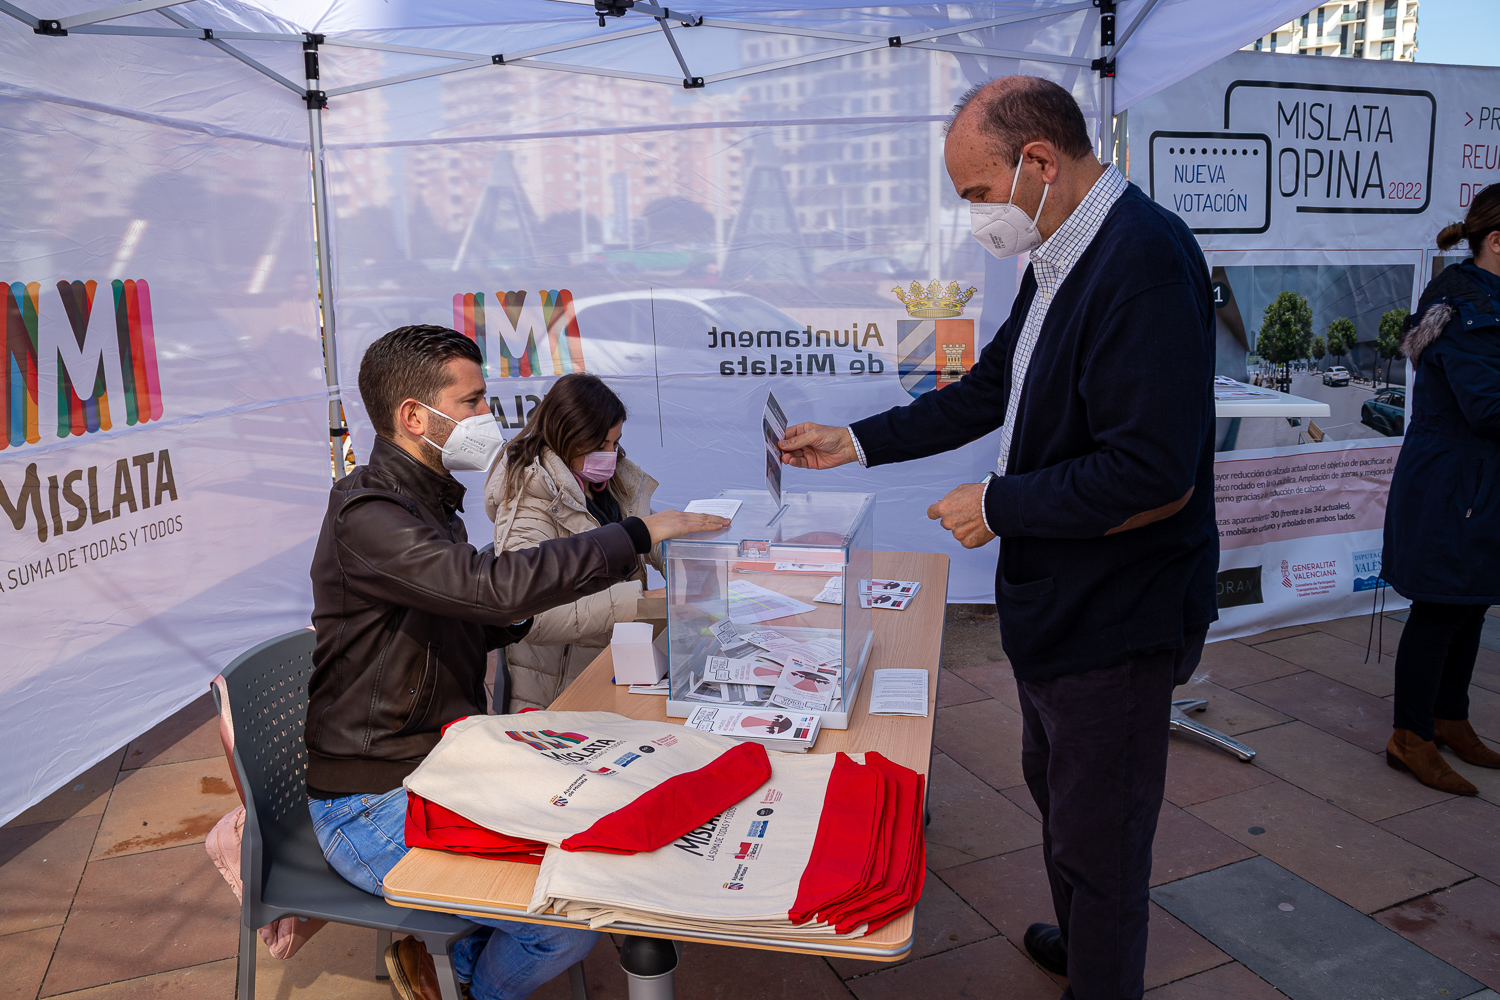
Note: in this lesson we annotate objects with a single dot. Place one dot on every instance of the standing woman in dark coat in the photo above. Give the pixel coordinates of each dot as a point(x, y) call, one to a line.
point(1442, 523)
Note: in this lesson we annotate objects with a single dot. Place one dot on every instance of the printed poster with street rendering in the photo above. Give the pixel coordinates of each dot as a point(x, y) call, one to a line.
point(1316, 188)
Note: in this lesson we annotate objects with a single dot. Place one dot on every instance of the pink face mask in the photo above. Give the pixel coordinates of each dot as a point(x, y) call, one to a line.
point(598, 466)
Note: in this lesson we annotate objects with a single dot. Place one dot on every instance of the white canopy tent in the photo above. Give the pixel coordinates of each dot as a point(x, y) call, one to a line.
point(727, 164)
point(635, 40)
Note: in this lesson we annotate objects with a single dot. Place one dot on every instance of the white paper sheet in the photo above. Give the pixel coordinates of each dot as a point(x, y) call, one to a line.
point(717, 505)
point(898, 691)
point(749, 604)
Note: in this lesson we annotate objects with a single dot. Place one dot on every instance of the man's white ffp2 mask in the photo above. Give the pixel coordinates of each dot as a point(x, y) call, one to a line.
point(473, 443)
point(1004, 229)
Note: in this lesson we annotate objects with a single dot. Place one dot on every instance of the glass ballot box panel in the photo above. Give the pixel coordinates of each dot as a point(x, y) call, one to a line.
point(767, 613)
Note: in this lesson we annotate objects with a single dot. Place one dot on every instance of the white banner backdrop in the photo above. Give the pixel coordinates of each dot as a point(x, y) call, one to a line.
point(163, 443)
point(1328, 178)
point(738, 241)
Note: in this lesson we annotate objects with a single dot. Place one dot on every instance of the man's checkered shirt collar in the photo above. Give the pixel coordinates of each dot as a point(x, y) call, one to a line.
point(1060, 252)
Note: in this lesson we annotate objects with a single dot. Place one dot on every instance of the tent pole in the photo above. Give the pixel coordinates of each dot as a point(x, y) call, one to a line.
point(1105, 65)
point(316, 102)
point(1107, 119)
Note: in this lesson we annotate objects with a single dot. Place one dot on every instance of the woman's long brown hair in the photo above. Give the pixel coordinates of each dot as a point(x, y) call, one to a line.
point(1483, 219)
point(573, 419)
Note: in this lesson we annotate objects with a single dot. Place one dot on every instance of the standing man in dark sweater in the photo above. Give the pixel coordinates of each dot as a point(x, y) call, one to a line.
point(1100, 382)
point(405, 609)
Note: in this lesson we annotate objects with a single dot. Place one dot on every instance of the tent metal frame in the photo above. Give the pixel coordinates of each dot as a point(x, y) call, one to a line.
point(93, 23)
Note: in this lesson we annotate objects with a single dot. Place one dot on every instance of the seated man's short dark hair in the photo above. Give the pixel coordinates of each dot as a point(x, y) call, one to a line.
point(1017, 110)
point(410, 362)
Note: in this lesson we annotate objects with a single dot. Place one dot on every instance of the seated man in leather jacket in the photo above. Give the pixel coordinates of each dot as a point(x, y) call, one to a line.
point(405, 610)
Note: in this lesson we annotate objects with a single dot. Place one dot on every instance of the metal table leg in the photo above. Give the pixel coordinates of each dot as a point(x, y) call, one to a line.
point(1182, 724)
point(649, 964)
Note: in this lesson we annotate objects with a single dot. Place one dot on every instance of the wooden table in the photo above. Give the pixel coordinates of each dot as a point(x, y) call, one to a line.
point(455, 883)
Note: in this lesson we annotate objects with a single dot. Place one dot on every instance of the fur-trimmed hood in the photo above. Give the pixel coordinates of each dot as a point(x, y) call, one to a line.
point(1452, 293)
point(1427, 329)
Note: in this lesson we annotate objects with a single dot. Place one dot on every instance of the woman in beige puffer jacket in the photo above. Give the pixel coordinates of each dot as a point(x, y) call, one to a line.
point(550, 503)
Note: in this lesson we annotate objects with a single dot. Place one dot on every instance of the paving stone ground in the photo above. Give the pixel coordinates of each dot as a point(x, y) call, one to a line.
point(106, 893)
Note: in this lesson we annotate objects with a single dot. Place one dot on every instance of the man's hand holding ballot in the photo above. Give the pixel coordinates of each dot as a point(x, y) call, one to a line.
point(818, 446)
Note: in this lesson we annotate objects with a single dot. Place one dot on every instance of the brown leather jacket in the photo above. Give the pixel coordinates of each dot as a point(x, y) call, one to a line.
point(405, 610)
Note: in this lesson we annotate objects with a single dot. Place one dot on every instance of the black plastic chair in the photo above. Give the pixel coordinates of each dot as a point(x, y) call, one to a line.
point(283, 868)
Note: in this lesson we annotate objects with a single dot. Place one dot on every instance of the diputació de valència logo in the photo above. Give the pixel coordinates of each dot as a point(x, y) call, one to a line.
point(106, 372)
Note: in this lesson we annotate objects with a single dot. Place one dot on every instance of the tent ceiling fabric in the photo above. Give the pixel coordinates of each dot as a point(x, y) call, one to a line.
point(1176, 38)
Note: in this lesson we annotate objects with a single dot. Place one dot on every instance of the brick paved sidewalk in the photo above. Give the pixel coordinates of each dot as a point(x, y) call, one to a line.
point(1298, 866)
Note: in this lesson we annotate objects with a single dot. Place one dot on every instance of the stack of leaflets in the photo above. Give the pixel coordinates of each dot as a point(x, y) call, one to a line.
point(790, 733)
point(893, 595)
point(831, 846)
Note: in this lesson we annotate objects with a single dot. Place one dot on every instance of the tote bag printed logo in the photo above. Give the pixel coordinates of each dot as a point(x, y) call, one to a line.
point(566, 748)
point(546, 739)
point(530, 340)
point(104, 374)
point(933, 348)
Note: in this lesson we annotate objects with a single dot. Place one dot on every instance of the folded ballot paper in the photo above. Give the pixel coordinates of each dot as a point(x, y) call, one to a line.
point(831, 846)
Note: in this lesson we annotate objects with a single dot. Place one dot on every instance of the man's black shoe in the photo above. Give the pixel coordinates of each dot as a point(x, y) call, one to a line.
point(1044, 943)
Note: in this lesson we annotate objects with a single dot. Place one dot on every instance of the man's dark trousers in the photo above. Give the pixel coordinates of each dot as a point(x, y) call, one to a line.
point(1094, 753)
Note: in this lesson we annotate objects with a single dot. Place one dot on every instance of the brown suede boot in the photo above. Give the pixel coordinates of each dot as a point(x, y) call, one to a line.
point(1407, 751)
point(1460, 737)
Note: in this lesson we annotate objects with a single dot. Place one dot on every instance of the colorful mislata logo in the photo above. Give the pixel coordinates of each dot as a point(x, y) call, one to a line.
point(546, 739)
point(119, 368)
point(933, 349)
point(519, 355)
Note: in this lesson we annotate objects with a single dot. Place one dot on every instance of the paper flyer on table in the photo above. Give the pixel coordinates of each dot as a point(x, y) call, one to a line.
point(897, 691)
point(898, 588)
point(886, 601)
point(754, 724)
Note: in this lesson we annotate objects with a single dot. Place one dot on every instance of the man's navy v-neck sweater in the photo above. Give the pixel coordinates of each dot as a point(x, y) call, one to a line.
point(1115, 419)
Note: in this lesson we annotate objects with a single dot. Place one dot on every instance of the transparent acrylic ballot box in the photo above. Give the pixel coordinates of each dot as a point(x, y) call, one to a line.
point(766, 613)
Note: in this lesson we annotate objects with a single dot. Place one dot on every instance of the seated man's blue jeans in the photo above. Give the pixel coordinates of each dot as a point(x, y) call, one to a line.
point(363, 836)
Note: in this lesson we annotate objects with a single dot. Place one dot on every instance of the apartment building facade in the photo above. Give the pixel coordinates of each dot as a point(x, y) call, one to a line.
point(1364, 29)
